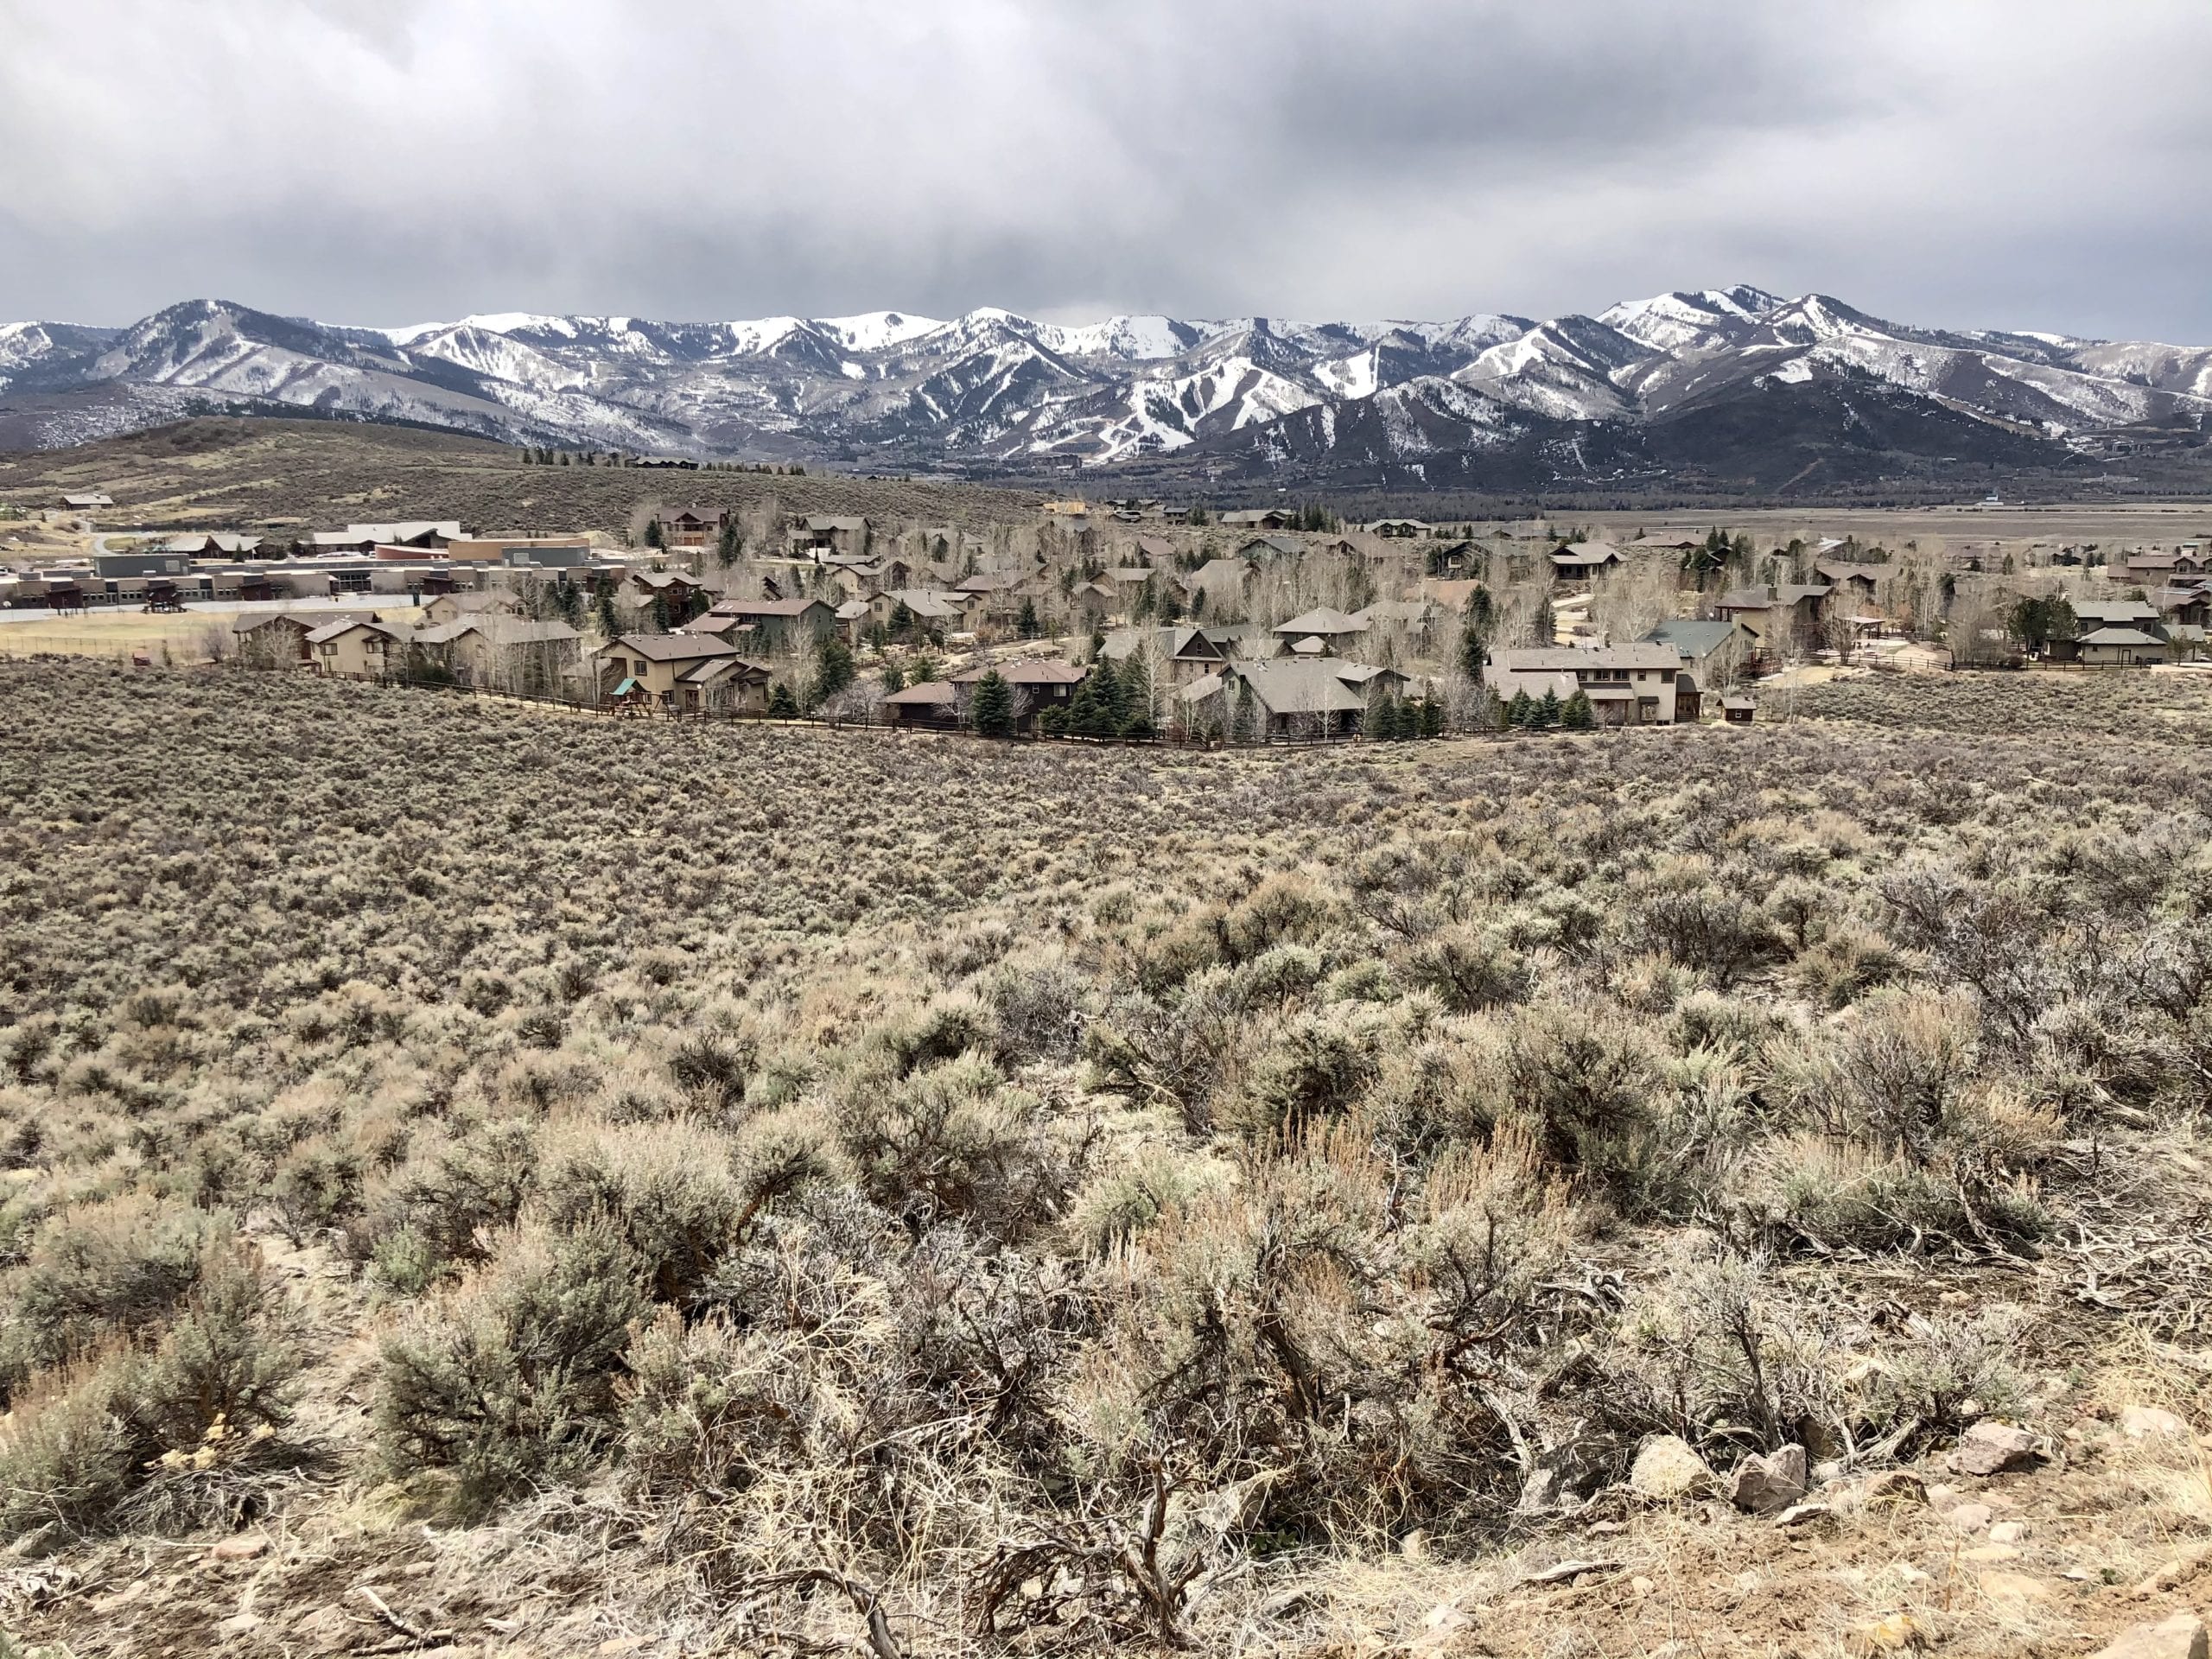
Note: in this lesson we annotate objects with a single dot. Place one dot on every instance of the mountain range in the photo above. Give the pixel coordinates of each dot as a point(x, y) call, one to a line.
point(1736, 387)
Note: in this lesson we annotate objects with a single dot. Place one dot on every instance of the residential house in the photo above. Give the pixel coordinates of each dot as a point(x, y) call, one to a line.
point(1776, 616)
point(1320, 633)
point(1414, 620)
point(999, 596)
point(820, 533)
point(931, 703)
point(2183, 606)
point(1217, 588)
point(853, 617)
point(1399, 528)
point(358, 648)
point(933, 609)
point(2115, 646)
point(1261, 549)
point(723, 686)
point(772, 626)
point(89, 501)
point(276, 638)
point(452, 607)
point(1037, 684)
point(678, 592)
point(693, 527)
point(1290, 698)
point(1627, 685)
point(494, 651)
point(1176, 656)
point(1713, 651)
point(1260, 518)
point(1452, 561)
point(1155, 549)
point(656, 663)
point(1581, 561)
point(1856, 584)
point(2151, 567)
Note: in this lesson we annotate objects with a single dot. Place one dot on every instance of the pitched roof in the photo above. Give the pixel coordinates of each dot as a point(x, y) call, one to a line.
point(1586, 553)
point(497, 629)
point(2116, 610)
point(1294, 687)
point(1762, 598)
point(672, 647)
point(1549, 660)
point(1282, 546)
point(744, 608)
point(1694, 637)
point(930, 694)
point(347, 624)
point(1321, 622)
point(2117, 636)
point(1034, 670)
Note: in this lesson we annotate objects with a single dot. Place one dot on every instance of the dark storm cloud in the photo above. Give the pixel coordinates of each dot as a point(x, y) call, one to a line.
point(2033, 163)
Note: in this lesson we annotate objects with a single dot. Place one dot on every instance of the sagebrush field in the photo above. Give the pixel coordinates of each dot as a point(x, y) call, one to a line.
point(585, 1187)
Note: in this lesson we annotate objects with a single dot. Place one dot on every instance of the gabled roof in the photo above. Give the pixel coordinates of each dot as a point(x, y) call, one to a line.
point(1321, 622)
point(1694, 637)
point(930, 694)
point(2119, 636)
point(1281, 546)
point(346, 624)
point(658, 579)
point(695, 515)
point(1293, 687)
point(1765, 598)
point(1847, 570)
point(672, 647)
point(722, 668)
point(746, 607)
point(1549, 660)
point(1033, 670)
point(498, 629)
point(2116, 611)
point(1586, 555)
point(1396, 610)
point(819, 522)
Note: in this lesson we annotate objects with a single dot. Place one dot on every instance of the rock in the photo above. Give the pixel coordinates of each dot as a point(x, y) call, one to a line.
point(2175, 1573)
point(1969, 1517)
point(1826, 1472)
point(1414, 1545)
point(2181, 1636)
point(1989, 1554)
point(2013, 1586)
point(1640, 1588)
point(1798, 1515)
point(238, 1624)
point(1941, 1498)
point(2008, 1532)
point(244, 1547)
point(1763, 1486)
point(1666, 1469)
point(1901, 1486)
point(2152, 1423)
point(1990, 1447)
point(1899, 1633)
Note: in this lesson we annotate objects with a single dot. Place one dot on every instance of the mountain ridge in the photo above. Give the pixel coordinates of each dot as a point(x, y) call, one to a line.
point(1483, 396)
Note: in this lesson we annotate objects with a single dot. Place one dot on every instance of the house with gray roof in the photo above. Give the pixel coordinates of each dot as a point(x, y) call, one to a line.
point(1627, 685)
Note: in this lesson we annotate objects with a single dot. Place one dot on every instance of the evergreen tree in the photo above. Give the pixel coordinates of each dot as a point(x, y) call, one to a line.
point(1547, 714)
point(1521, 711)
point(1575, 713)
point(893, 680)
point(1245, 723)
point(1544, 625)
point(660, 614)
point(833, 668)
point(1091, 711)
point(992, 707)
point(1171, 607)
point(727, 548)
point(656, 537)
point(781, 704)
point(902, 621)
point(1132, 700)
point(607, 626)
point(925, 670)
point(1480, 615)
point(1381, 725)
point(1432, 717)
point(1027, 625)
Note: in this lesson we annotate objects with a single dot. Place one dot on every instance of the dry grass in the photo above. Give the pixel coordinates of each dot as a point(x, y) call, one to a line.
point(758, 1188)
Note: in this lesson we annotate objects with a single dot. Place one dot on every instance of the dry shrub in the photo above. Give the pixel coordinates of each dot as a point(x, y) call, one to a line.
point(158, 1434)
point(667, 1188)
point(438, 1211)
point(956, 1140)
point(1469, 969)
point(511, 1376)
point(99, 1270)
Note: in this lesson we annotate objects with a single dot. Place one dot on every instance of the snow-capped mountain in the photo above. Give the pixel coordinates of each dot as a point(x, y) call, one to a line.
point(995, 390)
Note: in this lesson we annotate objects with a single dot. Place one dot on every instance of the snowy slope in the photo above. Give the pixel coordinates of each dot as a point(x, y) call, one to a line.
point(992, 385)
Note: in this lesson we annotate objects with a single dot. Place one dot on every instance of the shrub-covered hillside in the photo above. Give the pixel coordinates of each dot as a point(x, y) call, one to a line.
point(548, 1182)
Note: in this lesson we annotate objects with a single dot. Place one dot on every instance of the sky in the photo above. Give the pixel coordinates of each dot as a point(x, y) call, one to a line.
point(2003, 163)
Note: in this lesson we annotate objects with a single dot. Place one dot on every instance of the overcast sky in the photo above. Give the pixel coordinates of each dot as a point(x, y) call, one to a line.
point(2018, 164)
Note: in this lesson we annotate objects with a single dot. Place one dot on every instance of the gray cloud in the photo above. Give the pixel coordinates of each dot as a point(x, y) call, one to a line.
point(2032, 164)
